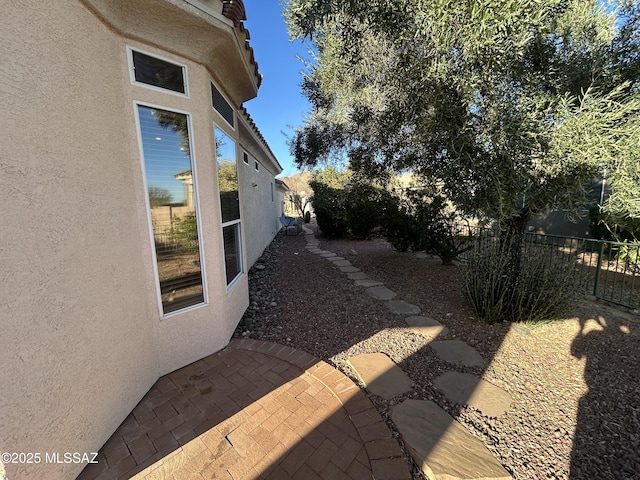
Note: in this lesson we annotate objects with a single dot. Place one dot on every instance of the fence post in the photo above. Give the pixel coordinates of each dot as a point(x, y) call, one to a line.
point(598, 269)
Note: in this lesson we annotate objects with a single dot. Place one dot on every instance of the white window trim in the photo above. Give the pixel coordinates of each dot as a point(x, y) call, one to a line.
point(156, 274)
point(239, 221)
point(246, 155)
point(240, 248)
point(226, 99)
point(132, 74)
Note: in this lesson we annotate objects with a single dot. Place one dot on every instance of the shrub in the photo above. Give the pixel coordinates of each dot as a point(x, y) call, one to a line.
point(365, 208)
point(307, 217)
point(422, 220)
point(544, 287)
point(329, 205)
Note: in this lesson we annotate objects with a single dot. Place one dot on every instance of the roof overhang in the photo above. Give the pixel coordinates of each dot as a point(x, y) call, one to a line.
point(194, 29)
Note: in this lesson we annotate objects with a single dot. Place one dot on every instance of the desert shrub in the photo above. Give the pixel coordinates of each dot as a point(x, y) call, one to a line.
point(544, 286)
point(365, 208)
point(422, 220)
point(329, 205)
point(184, 232)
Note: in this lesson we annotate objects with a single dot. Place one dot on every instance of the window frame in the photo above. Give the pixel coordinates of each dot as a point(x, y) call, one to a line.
point(132, 73)
point(236, 222)
point(196, 202)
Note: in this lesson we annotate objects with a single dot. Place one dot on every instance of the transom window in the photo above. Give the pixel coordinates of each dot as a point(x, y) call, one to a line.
point(221, 105)
point(157, 72)
point(229, 204)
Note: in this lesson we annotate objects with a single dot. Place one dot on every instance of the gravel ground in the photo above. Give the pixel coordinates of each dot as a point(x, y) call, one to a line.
point(575, 383)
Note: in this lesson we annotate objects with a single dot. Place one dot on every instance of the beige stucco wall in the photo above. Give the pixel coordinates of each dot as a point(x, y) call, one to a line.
point(260, 212)
point(82, 335)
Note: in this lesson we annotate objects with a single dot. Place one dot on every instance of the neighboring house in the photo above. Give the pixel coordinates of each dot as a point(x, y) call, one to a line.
point(124, 238)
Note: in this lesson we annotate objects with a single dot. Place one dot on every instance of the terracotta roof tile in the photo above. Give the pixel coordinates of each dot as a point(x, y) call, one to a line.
point(234, 10)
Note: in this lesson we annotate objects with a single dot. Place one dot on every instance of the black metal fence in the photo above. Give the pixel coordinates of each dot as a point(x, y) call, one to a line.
point(607, 270)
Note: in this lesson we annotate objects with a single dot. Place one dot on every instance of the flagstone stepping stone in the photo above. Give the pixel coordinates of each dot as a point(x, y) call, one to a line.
point(367, 282)
point(381, 293)
point(401, 307)
point(342, 263)
point(467, 389)
point(335, 259)
point(357, 276)
point(457, 351)
point(427, 327)
point(380, 375)
point(441, 446)
point(349, 269)
point(326, 255)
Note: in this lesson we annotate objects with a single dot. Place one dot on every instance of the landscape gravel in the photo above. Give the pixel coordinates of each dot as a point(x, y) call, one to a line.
point(574, 382)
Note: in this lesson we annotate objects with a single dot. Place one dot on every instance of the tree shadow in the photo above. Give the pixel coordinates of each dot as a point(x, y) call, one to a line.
point(607, 437)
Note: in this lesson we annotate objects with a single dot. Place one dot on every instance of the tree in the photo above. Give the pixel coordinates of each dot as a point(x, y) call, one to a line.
point(300, 193)
point(512, 107)
point(159, 196)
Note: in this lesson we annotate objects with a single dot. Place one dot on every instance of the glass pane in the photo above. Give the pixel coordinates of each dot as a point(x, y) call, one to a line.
point(232, 257)
point(167, 162)
point(221, 105)
point(160, 73)
point(227, 176)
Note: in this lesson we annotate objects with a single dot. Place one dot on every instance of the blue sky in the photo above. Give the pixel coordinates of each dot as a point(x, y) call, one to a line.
point(280, 104)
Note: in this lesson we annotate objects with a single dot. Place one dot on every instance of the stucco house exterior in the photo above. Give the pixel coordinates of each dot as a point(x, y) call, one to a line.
point(137, 192)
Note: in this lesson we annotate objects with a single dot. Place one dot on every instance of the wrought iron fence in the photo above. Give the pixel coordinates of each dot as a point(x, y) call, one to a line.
point(607, 270)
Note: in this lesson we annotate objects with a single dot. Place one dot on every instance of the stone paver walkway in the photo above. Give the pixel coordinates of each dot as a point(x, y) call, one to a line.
point(467, 389)
point(440, 445)
point(255, 410)
point(380, 375)
point(443, 448)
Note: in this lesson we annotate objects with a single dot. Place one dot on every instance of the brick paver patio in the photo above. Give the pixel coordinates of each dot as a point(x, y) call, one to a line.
point(255, 410)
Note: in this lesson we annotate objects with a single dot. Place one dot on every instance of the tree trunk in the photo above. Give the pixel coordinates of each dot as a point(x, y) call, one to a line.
point(511, 240)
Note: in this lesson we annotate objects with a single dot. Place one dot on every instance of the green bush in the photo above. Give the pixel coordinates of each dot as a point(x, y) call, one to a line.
point(422, 220)
point(543, 288)
point(329, 205)
point(365, 208)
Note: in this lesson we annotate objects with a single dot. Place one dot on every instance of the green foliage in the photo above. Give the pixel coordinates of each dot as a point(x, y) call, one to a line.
point(184, 232)
point(366, 207)
point(423, 220)
point(493, 100)
point(545, 287)
point(329, 205)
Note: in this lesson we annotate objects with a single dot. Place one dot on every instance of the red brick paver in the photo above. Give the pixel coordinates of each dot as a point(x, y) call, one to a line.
point(255, 410)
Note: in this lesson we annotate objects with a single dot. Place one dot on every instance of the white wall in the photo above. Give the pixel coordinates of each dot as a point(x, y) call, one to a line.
point(260, 209)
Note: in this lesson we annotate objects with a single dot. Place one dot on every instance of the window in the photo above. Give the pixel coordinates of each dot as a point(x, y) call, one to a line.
point(245, 157)
point(272, 192)
point(169, 175)
point(158, 72)
point(229, 204)
point(221, 105)
point(257, 168)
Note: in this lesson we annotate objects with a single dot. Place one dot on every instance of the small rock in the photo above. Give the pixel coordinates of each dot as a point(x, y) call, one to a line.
point(259, 266)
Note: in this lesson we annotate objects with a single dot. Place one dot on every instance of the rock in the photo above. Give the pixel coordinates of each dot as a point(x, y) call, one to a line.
point(349, 269)
point(427, 327)
point(381, 293)
point(259, 266)
point(357, 276)
point(457, 351)
point(380, 375)
point(466, 389)
point(441, 446)
point(402, 308)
